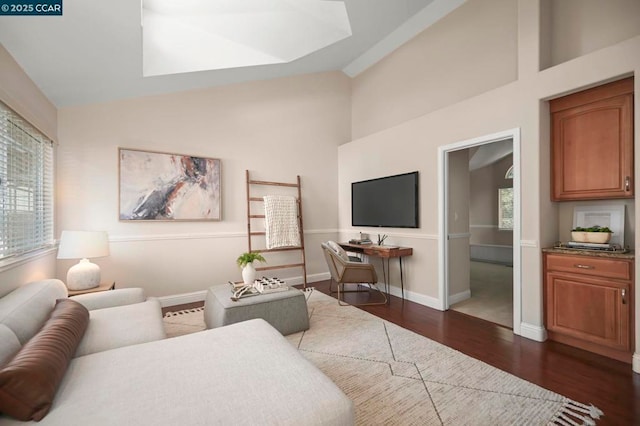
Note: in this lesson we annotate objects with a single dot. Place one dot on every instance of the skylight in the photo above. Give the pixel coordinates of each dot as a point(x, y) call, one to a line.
point(196, 35)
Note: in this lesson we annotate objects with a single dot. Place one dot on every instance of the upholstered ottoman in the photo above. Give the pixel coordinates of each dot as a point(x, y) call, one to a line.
point(286, 310)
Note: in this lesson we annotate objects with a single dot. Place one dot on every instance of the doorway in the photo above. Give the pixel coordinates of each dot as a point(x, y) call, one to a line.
point(475, 251)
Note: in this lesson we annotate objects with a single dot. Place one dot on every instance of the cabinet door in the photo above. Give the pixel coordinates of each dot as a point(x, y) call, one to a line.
point(592, 144)
point(590, 309)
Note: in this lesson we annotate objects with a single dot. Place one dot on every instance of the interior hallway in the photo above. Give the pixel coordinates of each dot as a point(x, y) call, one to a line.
point(491, 293)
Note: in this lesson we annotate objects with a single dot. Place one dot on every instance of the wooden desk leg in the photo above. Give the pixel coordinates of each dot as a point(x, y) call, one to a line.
point(388, 281)
point(401, 278)
point(387, 277)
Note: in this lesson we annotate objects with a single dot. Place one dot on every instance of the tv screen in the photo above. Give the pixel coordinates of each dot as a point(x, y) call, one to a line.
point(390, 201)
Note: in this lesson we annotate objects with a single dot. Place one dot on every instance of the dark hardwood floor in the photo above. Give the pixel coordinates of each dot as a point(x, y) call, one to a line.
point(181, 307)
point(585, 377)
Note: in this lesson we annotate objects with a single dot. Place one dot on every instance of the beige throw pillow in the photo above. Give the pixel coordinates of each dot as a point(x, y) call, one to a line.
point(338, 250)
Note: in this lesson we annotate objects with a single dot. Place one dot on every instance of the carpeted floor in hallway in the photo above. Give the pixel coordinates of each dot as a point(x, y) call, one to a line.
point(491, 294)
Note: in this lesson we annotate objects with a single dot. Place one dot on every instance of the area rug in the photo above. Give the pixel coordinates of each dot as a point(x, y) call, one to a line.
point(184, 322)
point(397, 377)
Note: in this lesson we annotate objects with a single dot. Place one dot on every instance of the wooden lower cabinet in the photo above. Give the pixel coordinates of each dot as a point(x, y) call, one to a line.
point(589, 303)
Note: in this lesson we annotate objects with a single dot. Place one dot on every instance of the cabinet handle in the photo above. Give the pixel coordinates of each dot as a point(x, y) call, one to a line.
point(627, 183)
point(584, 266)
point(624, 296)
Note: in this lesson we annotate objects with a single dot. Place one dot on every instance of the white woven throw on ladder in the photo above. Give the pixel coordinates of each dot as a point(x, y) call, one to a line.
point(281, 221)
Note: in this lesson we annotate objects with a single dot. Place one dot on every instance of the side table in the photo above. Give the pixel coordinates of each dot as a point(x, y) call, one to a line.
point(101, 287)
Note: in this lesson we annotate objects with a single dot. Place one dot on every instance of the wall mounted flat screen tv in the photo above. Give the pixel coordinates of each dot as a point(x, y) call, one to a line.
point(390, 201)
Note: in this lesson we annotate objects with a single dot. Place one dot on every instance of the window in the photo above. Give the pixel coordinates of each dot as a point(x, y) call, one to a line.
point(509, 173)
point(505, 209)
point(26, 186)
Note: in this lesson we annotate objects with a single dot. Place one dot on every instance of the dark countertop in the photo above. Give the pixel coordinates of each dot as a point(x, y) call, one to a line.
point(593, 253)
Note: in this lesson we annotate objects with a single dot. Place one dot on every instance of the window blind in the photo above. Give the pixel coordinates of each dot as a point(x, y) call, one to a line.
point(26, 186)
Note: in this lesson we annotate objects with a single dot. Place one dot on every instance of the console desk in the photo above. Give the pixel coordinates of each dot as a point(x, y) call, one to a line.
point(383, 253)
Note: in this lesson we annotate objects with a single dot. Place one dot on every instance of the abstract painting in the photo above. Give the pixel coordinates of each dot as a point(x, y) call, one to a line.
point(170, 187)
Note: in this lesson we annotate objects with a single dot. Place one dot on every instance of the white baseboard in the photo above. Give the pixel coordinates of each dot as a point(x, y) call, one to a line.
point(636, 362)
point(310, 278)
point(427, 301)
point(459, 297)
point(533, 332)
point(199, 296)
point(182, 299)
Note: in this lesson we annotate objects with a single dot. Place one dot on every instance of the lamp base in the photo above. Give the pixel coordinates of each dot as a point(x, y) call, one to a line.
point(83, 275)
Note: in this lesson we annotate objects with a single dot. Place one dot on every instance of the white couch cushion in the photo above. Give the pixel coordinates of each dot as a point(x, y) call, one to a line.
point(108, 299)
point(9, 344)
point(26, 308)
point(122, 326)
point(241, 374)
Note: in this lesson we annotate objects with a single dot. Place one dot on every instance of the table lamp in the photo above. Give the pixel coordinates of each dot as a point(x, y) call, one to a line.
point(83, 245)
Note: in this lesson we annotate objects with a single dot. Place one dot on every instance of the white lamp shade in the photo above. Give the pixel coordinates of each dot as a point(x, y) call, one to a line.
point(83, 244)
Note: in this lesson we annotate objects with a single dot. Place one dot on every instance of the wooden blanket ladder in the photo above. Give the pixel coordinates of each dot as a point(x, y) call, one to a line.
point(253, 214)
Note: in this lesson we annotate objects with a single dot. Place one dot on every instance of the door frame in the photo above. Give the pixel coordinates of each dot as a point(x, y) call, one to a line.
point(443, 226)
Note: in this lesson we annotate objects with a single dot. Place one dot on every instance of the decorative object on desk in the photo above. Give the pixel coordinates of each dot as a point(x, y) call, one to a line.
point(381, 239)
point(83, 245)
point(594, 234)
point(364, 239)
point(169, 187)
point(245, 261)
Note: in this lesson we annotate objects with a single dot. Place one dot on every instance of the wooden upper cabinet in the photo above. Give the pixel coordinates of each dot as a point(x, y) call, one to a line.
point(592, 143)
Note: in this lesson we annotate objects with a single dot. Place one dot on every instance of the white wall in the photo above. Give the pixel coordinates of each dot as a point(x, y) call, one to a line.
point(31, 268)
point(411, 140)
point(276, 129)
point(413, 146)
point(579, 27)
point(21, 94)
point(470, 51)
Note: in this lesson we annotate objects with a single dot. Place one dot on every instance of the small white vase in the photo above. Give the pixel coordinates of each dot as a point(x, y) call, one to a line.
point(248, 274)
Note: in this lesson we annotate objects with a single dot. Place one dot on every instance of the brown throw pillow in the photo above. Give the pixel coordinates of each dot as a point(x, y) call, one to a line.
point(28, 383)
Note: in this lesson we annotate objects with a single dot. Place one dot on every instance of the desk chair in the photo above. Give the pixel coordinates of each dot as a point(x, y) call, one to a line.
point(346, 271)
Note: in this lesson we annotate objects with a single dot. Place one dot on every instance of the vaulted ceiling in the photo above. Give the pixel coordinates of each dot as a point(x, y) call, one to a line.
point(93, 52)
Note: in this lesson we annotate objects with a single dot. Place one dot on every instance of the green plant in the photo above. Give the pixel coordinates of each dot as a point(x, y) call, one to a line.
point(595, 228)
point(245, 258)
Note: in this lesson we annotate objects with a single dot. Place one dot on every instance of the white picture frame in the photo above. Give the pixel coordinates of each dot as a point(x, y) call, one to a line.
point(609, 216)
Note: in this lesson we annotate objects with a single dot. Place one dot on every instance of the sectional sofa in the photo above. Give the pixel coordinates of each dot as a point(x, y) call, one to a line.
point(103, 359)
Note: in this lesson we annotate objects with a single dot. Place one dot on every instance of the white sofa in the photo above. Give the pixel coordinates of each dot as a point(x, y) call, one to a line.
point(125, 372)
